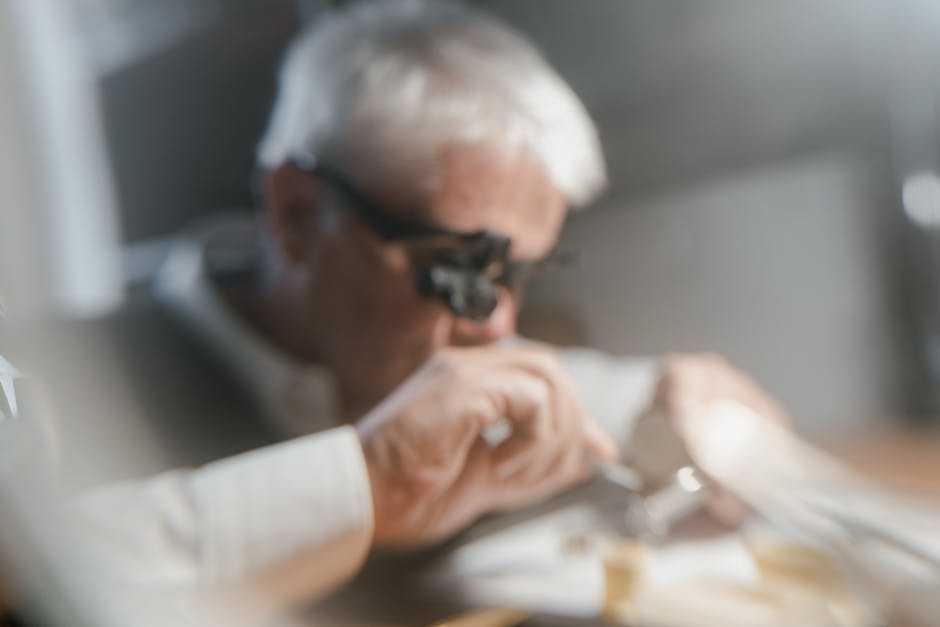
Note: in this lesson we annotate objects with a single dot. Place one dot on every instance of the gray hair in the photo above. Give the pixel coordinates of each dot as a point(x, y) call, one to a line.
point(385, 84)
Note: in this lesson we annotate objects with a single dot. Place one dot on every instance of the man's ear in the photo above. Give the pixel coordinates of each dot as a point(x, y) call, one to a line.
point(294, 202)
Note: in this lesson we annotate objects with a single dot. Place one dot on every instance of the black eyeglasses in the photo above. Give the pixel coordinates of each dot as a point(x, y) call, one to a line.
point(465, 276)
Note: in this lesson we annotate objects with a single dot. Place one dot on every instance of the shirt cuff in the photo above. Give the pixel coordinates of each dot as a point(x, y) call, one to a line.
point(263, 507)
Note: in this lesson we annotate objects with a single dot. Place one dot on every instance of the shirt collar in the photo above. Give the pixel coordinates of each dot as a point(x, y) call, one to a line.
point(299, 397)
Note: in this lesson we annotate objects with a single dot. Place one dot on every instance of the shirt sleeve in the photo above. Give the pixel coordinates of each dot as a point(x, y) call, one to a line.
point(615, 390)
point(294, 518)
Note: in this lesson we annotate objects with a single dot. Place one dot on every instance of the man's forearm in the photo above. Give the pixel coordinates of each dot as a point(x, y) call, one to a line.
point(291, 522)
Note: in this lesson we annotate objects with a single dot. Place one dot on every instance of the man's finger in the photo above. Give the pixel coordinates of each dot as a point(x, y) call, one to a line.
point(598, 443)
point(568, 408)
point(526, 405)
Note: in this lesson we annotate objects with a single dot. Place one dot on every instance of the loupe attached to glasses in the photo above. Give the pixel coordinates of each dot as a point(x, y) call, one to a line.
point(466, 278)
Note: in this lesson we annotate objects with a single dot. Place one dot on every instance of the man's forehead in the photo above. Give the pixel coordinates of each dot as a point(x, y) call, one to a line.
point(479, 187)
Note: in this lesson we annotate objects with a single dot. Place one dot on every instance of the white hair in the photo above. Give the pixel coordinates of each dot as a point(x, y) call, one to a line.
point(385, 84)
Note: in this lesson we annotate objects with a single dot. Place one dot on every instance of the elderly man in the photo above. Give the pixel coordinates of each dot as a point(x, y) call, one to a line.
point(418, 166)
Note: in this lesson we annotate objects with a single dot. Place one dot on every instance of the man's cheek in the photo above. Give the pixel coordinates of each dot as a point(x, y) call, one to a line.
point(427, 333)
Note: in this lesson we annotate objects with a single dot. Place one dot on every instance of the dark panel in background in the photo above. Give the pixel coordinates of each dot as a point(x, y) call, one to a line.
point(183, 114)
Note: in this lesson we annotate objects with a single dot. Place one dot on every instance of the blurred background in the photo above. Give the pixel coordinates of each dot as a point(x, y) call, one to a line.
point(774, 165)
point(775, 189)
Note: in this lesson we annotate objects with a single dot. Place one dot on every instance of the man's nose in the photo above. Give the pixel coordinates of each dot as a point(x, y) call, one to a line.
point(501, 323)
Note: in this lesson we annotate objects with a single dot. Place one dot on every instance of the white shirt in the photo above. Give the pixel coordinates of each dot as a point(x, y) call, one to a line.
point(293, 519)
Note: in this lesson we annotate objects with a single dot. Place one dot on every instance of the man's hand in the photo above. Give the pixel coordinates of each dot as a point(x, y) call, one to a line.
point(432, 472)
point(689, 385)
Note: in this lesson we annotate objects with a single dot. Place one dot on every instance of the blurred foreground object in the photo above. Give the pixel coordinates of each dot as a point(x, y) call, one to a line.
point(887, 544)
point(788, 585)
point(58, 227)
point(829, 547)
point(9, 407)
point(45, 550)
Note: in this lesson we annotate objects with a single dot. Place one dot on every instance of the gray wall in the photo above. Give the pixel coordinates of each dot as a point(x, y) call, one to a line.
point(775, 267)
point(753, 208)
